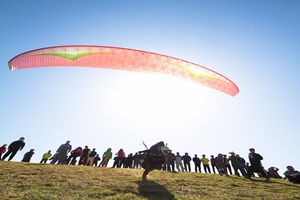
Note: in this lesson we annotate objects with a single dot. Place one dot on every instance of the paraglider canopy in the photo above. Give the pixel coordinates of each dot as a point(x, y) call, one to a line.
point(123, 59)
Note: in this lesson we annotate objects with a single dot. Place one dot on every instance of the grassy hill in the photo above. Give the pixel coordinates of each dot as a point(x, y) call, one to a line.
point(37, 181)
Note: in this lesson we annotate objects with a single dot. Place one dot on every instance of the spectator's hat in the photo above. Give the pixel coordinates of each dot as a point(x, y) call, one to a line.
point(231, 152)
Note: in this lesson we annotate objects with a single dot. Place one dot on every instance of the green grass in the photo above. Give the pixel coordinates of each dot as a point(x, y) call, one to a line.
point(37, 181)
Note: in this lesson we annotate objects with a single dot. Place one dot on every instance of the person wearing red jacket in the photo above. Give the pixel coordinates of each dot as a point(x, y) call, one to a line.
point(2, 149)
point(119, 159)
point(74, 154)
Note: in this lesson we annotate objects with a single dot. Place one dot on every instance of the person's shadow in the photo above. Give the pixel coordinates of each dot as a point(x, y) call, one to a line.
point(153, 191)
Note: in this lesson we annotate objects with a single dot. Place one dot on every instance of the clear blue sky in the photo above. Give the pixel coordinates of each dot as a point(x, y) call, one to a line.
point(256, 44)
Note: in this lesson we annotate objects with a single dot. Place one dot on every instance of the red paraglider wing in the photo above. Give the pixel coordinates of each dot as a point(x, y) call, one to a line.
point(122, 59)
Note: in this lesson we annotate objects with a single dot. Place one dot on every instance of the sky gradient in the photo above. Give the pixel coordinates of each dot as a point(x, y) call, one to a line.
point(256, 44)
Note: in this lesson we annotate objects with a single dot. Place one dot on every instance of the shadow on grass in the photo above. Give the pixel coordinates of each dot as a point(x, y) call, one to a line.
point(153, 191)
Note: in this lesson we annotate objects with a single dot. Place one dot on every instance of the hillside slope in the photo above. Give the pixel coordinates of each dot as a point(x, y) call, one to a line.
point(37, 181)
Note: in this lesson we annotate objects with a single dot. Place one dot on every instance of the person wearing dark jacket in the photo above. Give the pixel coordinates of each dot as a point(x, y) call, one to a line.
point(292, 175)
point(83, 158)
point(90, 160)
point(28, 156)
point(96, 160)
point(197, 163)
point(256, 166)
point(171, 161)
point(14, 147)
point(186, 161)
point(128, 162)
point(213, 163)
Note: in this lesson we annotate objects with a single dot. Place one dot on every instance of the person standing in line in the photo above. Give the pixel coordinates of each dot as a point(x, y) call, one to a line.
point(120, 158)
point(85, 153)
point(178, 162)
point(13, 148)
point(186, 161)
point(220, 164)
point(61, 153)
point(128, 163)
point(256, 166)
point(72, 158)
point(28, 156)
point(46, 157)
point(242, 164)
point(165, 164)
point(227, 166)
point(205, 162)
point(136, 161)
point(236, 164)
point(2, 150)
point(171, 160)
point(90, 160)
point(213, 163)
point(96, 160)
point(107, 155)
point(197, 163)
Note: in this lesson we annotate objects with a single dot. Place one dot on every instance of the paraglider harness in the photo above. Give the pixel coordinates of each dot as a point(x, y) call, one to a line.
point(154, 156)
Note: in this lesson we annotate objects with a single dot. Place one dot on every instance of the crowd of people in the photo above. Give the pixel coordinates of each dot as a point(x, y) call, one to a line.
point(220, 164)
